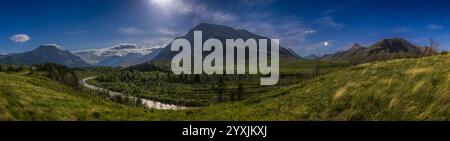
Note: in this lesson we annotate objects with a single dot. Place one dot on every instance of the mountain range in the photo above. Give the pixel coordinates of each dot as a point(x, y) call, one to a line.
point(119, 55)
point(129, 59)
point(385, 49)
point(44, 54)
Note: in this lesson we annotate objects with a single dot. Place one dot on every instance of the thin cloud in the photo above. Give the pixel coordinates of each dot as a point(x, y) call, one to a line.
point(256, 2)
point(329, 21)
point(333, 10)
point(290, 30)
point(200, 11)
point(310, 32)
point(130, 30)
point(221, 17)
point(167, 32)
point(328, 12)
point(76, 32)
point(20, 38)
point(400, 30)
point(435, 27)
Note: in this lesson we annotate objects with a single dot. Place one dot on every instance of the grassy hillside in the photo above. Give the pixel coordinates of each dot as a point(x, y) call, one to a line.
point(405, 89)
point(35, 97)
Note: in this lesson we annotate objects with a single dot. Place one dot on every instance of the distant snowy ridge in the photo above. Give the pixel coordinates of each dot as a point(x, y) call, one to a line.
point(94, 56)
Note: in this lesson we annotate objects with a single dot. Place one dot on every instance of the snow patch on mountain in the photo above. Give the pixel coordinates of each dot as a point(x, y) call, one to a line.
point(94, 56)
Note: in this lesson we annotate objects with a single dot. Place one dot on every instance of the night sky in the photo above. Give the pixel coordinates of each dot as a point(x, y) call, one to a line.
point(308, 26)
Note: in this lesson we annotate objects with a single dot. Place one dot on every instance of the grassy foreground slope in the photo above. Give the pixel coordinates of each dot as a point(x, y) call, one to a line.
point(35, 97)
point(405, 89)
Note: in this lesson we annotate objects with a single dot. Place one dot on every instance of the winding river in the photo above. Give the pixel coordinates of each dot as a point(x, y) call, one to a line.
point(146, 102)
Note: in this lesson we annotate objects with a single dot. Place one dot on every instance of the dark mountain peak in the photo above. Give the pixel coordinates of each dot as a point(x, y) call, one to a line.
point(392, 42)
point(395, 45)
point(220, 32)
point(395, 39)
point(47, 53)
point(356, 47)
point(207, 26)
point(52, 46)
